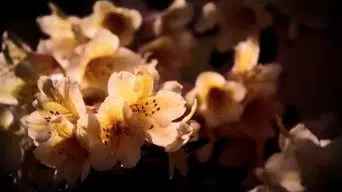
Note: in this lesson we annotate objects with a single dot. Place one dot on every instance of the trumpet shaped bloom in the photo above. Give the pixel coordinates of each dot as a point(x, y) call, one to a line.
point(56, 98)
point(64, 152)
point(120, 21)
point(220, 100)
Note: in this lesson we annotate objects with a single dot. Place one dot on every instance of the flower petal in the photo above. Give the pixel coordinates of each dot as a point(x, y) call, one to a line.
point(122, 85)
point(47, 152)
point(38, 127)
point(171, 106)
point(62, 96)
point(246, 55)
point(88, 130)
point(120, 21)
point(103, 44)
point(172, 86)
point(99, 70)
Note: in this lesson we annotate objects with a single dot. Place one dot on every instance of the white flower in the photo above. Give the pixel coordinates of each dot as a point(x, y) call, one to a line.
point(56, 98)
point(153, 110)
point(260, 80)
point(220, 100)
point(284, 169)
point(62, 30)
point(120, 21)
point(64, 152)
point(10, 84)
point(110, 135)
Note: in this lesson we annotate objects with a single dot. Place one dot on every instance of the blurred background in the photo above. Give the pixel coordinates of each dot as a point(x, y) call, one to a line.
point(310, 85)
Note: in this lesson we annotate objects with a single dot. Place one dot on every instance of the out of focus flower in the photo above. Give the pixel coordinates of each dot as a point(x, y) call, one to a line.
point(220, 101)
point(260, 80)
point(237, 20)
point(120, 21)
point(284, 169)
point(10, 83)
point(99, 58)
point(208, 19)
point(174, 19)
point(64, 152)
point(171, 52)
point(6, 118)
point(57, 98)
point(63, 32)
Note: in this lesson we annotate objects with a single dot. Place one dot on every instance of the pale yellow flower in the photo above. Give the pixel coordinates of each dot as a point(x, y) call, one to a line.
point(111, 137)
point(171, 51)
point(56, 98)
point(64, 152)
point(6, 118)
point(10, 83)
point(63, 33)
point(120, 21)
point(285, 168)
point(153, 110)
point(220, 101)
point(260, 80)
point(99, 58)
point(174, 19)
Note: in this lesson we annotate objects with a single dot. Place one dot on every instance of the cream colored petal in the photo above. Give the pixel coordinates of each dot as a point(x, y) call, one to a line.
point(75, 164)
point(300, 132)
point(209, 79)
point(246, 55)
point(209, 18)
point(37, 127)
point(237, 90)
point(161, 136)
point(230, 112)
point(172, 86)
point(143, 84)
point(46, 152)
point(122, 85)
point(88, 130)
point(150, 68)
point(103, 44)
point(6, 118)
point(284, 170)
point(62, 96)
point(55, 26)
point(61, 126)
point(113, 109)
point(101, 158)
point(122, 22)
point(99, 70)
point(170, 106)
point(11, 84)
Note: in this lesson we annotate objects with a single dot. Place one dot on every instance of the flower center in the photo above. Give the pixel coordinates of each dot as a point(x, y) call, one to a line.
point(146, 107)
point(71, 150)
point(216, 98)
point(115, 131)
point(115, 23)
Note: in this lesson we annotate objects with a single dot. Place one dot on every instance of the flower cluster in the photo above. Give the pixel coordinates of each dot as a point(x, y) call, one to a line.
point(102, 88)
